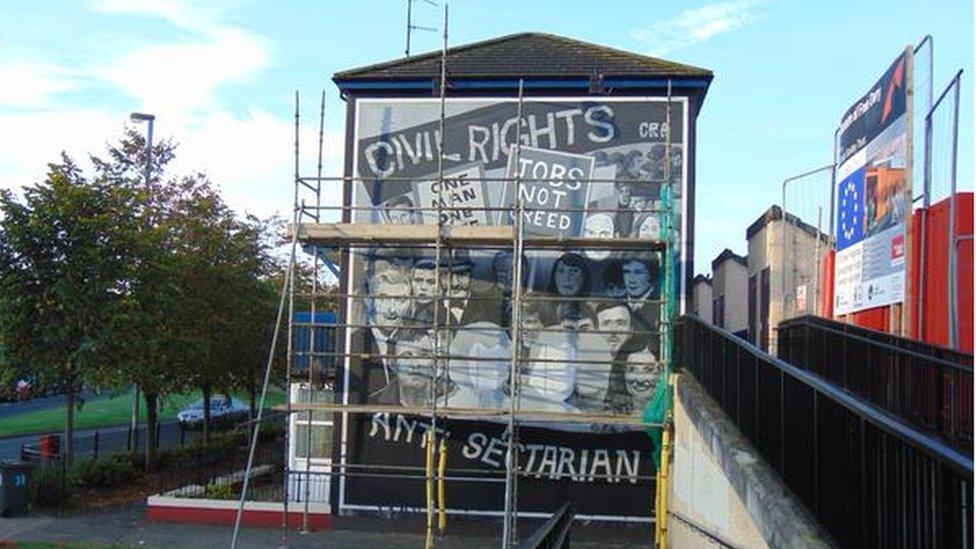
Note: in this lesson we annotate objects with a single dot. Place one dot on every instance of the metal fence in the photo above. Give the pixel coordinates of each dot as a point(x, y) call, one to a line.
point(554, 533)
point(869, 479)
point(931, 387)
point(117, 440)
point(207, 475)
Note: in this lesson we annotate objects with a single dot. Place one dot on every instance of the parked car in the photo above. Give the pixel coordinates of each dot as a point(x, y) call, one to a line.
point(224, 412)
point(17, 391)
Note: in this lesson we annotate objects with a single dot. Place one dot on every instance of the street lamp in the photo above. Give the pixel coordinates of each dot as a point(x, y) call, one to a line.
point(139, 118)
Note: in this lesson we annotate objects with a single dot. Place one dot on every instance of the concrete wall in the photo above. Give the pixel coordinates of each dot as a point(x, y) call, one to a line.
point(702, 301)
point(722, 493)
point(759, 248)
point(730, 279)
point(797, 260)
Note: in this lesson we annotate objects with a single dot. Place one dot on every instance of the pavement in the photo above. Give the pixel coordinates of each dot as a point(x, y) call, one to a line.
point(127, 526)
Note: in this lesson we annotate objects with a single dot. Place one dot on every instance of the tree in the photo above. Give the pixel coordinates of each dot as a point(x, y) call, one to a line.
point(253, 326)
point(197, 309)
point(63, 274)
point(152, 345)
point(120, 279)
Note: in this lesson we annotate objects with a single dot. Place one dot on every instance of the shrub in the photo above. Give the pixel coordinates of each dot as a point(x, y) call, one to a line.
point(218, 491)
point(136, 460)
point(271, 432)
point(101, 473)
point(50, 487)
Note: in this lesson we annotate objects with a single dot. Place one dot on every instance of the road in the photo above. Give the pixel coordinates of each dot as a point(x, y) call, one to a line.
point(110, 440)
point(8, 409)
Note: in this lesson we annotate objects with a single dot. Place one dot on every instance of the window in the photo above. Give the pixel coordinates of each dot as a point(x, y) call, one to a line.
point(752, 309)
point(718, 311)
point(321, 424)
point(764, 309)
point(321, 440)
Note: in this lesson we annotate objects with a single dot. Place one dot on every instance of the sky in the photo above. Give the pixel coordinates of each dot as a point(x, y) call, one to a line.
point(221, 79)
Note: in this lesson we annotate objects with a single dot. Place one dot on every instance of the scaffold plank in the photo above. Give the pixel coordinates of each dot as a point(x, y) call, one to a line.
point(352, 234)
point(541, 416)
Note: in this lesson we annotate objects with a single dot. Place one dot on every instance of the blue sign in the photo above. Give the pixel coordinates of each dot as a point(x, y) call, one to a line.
point(850, 209)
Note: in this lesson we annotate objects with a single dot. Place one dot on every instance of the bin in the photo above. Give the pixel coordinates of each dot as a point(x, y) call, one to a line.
point(14, 488)
point(50, 446)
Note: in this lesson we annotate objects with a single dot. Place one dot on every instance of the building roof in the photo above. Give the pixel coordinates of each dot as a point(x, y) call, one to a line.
point(702, 278)
point(727, 255)
point(775, 213)
point(527, 54)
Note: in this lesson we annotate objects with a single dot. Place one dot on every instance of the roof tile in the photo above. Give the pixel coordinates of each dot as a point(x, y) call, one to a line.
point(526, 54)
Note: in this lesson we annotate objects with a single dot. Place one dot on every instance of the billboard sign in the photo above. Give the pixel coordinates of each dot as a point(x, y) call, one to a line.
point(874, 194)
point(589, 344)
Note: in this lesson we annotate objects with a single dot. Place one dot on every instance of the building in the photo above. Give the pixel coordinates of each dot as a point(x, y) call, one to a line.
point(602, 131)
point(783, 274)
point(729, 304)
point(701, 297)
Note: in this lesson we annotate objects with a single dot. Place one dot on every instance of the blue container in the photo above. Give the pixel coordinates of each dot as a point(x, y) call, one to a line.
point(324, 328)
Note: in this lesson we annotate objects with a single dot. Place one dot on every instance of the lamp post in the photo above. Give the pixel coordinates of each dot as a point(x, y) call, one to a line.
point(139, 118)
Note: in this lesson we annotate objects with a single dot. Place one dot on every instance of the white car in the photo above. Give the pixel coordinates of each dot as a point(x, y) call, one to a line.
point(224, 412)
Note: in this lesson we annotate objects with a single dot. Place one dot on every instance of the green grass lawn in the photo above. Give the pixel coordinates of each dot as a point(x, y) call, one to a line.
point(107, 411)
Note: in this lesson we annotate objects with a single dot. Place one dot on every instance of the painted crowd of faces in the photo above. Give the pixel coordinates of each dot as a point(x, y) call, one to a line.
point(585, 345)
point(589, 324)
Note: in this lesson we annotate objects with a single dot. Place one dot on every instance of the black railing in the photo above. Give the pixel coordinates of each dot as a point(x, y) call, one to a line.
point(205, 475)
point(870, 479)
point(930, 387)
point(109, 441)
point(554, 533)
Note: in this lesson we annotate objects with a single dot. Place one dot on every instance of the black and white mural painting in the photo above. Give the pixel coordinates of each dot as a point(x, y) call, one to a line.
point(589, 341)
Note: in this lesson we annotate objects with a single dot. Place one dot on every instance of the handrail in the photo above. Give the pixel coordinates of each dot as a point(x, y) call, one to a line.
point(836, 327)
point(806, 320)
point(880, 419)
point(554, 533)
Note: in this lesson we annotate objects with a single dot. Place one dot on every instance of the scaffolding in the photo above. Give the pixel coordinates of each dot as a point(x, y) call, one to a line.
point(357, 240)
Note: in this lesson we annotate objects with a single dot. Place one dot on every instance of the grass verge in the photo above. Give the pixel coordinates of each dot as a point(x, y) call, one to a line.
point(107, 411)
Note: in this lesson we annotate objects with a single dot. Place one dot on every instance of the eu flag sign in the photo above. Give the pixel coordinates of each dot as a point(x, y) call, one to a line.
point(850, 209)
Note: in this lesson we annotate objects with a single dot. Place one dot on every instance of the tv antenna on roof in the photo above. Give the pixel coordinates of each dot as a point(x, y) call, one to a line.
point(411, 26)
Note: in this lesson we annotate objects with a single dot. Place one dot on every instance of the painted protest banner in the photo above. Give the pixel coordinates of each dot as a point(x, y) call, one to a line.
point(605, 474)
point(554, 189)
point(874, 194)
point(462, 194)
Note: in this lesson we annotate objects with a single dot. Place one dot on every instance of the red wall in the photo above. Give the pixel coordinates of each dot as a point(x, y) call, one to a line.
point(935, 327)
point(936, 292)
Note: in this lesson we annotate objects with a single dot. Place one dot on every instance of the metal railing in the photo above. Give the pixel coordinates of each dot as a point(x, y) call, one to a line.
point(554, 533)
point(870, 479)
point(928, 386)
point(109, 441)
point(203, 474)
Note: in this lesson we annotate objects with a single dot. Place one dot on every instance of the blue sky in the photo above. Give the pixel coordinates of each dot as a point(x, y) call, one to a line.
point(220, 76)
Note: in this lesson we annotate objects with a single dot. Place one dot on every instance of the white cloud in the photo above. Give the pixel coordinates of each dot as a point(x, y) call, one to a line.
point(179, 79)
point(29, 140)
point(180, 13)
point(32, 84)
point(176, 78)
point(252, 158)
point(695, 26)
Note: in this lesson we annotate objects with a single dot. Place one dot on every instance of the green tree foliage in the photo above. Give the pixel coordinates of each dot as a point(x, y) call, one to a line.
point(63, 276)
point(118, 280)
